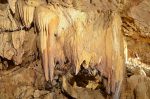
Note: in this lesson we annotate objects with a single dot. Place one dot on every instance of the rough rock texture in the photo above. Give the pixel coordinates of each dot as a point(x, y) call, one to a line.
point(78, 35)
point(12, 5)
point(19, 46)
point(9, 24)
point(136, 32)
point(136, 29)
point(137, 87)
point(78, 45)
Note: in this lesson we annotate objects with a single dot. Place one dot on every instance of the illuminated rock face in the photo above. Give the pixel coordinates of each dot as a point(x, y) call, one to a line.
point(12, 5)
point(25, 11)
point(83, 34)
point(47, 22)
point(85, 38)
point(88, 35)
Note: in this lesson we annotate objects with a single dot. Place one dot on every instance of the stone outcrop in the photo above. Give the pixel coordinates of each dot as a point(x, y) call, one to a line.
point(137, 86)
point(19, 46)
point(136, 31)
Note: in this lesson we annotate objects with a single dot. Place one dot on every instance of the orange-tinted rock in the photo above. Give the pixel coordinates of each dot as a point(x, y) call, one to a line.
point(47, 22)
point(90, 37)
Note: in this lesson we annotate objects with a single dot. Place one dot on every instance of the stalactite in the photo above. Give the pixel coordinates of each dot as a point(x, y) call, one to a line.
point(47, 22)
point(12, 5)
point(25, 11)
point(82, 37)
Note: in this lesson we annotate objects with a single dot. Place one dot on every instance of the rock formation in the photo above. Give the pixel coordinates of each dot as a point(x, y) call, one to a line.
point(46, 21)
point(74, 47)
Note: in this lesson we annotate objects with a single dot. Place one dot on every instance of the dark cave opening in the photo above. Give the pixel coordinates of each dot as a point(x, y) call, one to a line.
point(7, 64)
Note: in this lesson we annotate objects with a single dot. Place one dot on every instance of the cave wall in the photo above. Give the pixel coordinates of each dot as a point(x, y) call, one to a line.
point(92, 36)
point(89, 34)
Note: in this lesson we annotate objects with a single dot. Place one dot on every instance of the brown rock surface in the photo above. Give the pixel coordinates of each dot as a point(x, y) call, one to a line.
point(86, 43)
point(136, 29)
point(83, 39)
point(137, 87)
point(17, 46)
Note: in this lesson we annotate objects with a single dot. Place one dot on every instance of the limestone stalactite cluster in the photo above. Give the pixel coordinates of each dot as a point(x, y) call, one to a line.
point(98, 46)
point(89, 37)
point(75, 48)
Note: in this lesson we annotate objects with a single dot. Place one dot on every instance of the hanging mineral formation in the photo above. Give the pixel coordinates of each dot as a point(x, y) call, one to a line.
point(82, 37)
point(79, 36)
point(47, 22)
point(25, 11)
